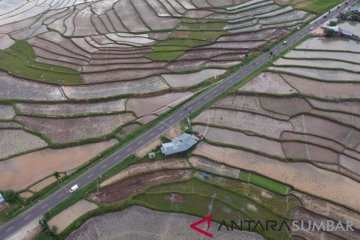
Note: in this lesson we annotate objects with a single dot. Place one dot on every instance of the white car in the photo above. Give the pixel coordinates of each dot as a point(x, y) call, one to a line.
point(74, 188)
point(312, 28)
point(285, 42)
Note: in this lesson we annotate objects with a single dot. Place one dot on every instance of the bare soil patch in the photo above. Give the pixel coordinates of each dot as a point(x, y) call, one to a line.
point(309, 63)
point(73, 109)
point(325, 128)
point(41, 185)
point(339, 44)
point(14, 141)
point(308, 216)
point(75, 129)
point(286, 106)
point(155, 225)
point(328, 209)
point(267, 82)
point(303, 151)
point(229, 137)
point(35, 166)
point(352, 107)
point(342, 56)
point(210, 166)
point(247, 103)
point(144, 106)
point(67, 216)
point(191, 79)
point(324, 90)
point(148, 148)
point(6, 112)
point(123, 189)
point(244, 121)
point(321, 74)
point(146, 167)
point(148, 85)
point(291, 136)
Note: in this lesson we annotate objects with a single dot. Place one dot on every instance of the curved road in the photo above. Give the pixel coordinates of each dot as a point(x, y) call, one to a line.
point(43, 206)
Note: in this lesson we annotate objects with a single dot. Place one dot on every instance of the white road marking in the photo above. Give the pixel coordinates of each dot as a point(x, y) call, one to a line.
point(44, 206)
point(60, 195)
point(129, 149)
point(151, 134)
point(141, 141)
point(9, 228)
point(27, 217)
point(89, 176)
point(103, 166)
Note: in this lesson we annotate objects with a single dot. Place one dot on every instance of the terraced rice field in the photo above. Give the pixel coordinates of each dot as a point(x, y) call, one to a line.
point(74, 72)
point(297, 123)
point(35, 166)
point(155, 225)
point(183, 190)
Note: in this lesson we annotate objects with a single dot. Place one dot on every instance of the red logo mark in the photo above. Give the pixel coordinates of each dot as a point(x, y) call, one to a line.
point(205, 219)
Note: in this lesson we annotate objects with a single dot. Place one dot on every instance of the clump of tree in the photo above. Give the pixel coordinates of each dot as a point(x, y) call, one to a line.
point(10, 196)
point(46, 232)
point(348, 16)
point(333, 23)
point(329, 32)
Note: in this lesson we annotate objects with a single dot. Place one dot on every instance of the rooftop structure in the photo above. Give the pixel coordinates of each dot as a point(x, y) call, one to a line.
point(179, 144)
point(2, 200)
point(346, 32)
point(355, 9)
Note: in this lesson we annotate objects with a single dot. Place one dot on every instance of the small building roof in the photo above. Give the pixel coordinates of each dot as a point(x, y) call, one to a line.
point(335, 28)
point(1, 198)
point(179, 144)
point(355, 9)
point(346, 32)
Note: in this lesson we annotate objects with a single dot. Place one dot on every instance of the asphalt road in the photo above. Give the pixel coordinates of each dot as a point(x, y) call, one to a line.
point(43, 206)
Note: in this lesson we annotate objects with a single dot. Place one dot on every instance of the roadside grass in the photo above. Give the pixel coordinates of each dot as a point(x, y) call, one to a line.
point(316, 6)
point(19, 60)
